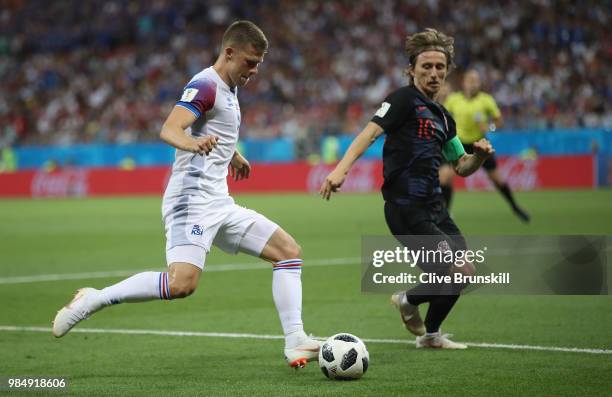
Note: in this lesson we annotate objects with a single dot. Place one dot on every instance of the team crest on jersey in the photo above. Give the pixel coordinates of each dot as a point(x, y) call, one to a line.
point(443, 246)
point(423, 111)
point(384, 108)
point(189, 94)
point(197, 230)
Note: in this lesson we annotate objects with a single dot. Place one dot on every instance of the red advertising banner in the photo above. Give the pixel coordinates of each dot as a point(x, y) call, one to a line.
point(82, 182)
point(366, 176)
point(549, 172)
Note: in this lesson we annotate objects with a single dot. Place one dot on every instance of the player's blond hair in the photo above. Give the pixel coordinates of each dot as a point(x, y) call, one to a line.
point(242, 33)
point(430, 40)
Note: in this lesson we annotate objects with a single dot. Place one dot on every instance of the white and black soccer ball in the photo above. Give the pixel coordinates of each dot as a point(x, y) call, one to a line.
point(344, 357)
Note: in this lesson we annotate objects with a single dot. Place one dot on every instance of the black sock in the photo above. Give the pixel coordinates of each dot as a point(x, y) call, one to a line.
point(419, 294)
point(447, 192)
point(439, 307)
point(507, 193)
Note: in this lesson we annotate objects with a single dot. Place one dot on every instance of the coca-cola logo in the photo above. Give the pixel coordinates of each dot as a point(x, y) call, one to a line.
point(361, 178)
point(63, 183)
point(520, 174)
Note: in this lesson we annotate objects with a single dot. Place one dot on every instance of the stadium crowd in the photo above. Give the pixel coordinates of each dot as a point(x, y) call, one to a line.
point(110, 71)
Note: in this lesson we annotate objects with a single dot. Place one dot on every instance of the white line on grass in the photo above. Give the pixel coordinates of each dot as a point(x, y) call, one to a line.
point(213, 268)
point(10, 328)
point(124, 273)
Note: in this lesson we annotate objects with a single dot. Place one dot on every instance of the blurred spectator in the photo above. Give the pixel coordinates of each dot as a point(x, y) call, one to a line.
point(8, 160)
point(110, 71)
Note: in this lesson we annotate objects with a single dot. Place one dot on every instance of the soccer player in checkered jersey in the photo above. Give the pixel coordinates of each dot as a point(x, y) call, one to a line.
point(198, 211)
point(419, 133)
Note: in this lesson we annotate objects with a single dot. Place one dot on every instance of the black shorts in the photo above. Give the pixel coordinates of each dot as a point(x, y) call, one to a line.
point(424, 219)
point(489, 164)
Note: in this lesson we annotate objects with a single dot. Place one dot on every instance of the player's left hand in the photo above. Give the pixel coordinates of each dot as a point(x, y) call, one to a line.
point(483, 148)
point(239, 168)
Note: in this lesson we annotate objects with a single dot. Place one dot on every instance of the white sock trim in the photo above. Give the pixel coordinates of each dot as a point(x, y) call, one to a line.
point(295, 264)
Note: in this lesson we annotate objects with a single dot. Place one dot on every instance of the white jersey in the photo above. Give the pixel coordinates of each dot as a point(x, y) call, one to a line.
point(215, 106)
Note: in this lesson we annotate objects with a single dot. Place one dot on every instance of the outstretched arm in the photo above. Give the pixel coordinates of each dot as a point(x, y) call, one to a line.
point(336, 178)
point(173, 133)
point(467, 164)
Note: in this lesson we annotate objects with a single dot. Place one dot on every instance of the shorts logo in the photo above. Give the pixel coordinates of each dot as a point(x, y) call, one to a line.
point(384, 108)
point(197, 230)
point(189, 94)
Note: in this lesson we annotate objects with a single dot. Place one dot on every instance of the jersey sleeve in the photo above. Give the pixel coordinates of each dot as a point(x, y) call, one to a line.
point(453, 148)
point(198, 96)
point(451, 130)
point(392, 112)
point(492, 108)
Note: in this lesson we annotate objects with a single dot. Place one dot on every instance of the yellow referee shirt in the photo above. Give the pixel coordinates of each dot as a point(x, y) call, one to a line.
point(471, 113)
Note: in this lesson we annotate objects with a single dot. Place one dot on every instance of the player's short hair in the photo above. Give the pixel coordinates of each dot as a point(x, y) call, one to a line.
point(242, 33)
point(430, 40)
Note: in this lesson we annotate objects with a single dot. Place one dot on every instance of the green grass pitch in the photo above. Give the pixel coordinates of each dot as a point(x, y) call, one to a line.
point(115, 234)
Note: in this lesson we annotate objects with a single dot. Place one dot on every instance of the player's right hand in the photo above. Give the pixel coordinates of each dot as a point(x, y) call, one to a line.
point(205, 144)
point(332, 183)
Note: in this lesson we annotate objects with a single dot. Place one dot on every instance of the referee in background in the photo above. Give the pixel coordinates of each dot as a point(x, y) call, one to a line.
point(476, 113)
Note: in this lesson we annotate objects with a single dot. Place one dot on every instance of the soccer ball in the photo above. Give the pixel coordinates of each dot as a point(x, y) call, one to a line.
point(344, 357)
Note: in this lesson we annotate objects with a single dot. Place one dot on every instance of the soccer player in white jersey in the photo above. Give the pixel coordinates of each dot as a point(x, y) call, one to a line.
point(197, 209)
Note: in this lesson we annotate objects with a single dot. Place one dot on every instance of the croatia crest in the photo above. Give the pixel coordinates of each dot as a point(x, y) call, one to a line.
point(443, 246)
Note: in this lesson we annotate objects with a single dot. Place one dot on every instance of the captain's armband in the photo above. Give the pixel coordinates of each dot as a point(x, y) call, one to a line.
point(453, 149)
